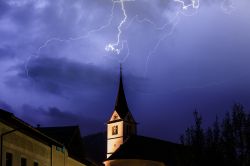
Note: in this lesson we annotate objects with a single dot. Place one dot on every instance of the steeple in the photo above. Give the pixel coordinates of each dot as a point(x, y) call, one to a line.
point(121, 124)
point(121, 105)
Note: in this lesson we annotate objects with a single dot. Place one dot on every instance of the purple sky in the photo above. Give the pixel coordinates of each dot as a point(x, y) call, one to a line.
point(54, 69)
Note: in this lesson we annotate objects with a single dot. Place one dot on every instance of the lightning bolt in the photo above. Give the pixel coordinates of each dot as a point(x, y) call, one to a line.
point(117, 46)
point(113, 47)
point(110, 47)
point(195, 4)
point(54, 39)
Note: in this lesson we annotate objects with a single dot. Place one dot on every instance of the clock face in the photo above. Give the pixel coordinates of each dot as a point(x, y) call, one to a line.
point(115, 130)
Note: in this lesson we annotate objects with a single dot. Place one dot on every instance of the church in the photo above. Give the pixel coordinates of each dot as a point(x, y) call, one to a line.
point(125, 147)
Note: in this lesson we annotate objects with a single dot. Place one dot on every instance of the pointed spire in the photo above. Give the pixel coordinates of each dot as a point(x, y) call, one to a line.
point(121, 105)
point(120, 69)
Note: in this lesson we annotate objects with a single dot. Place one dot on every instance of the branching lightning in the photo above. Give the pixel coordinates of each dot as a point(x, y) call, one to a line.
point(174, 21)
point(119, 44)
point(194, 4)
point(45, 44)
point(110, 47)
point(114, 46)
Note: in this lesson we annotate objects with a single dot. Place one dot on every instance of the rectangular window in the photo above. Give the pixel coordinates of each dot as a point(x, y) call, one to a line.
point(23, 162)
point(58, 148)
point(114, 130)
point(36, 163)
point(9, 159)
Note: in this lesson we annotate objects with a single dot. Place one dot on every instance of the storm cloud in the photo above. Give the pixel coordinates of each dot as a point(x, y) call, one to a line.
point(53, 61)
point(53, 116)
point(56, 75)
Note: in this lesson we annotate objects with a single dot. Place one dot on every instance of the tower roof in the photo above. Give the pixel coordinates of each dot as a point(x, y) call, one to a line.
point(121, 105)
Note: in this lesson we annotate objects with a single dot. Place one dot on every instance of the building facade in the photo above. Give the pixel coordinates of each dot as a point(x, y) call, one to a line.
point(24, 145)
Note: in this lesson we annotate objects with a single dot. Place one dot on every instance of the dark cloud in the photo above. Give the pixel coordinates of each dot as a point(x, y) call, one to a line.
point(59, 75)
point(53, 116)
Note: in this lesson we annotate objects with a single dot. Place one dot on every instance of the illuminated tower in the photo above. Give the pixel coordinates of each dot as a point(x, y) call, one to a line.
point(121, 124)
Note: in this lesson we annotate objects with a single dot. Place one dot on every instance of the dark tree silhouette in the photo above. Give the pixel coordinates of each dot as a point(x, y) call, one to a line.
point(224, 143)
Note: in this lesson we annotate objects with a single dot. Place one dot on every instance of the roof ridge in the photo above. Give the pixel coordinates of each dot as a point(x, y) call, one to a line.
point(66, 126)
point(27, 125)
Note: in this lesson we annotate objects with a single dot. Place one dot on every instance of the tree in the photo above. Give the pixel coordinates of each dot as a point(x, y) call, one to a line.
point(238, 124)
point(224, 143)
point(228, 141)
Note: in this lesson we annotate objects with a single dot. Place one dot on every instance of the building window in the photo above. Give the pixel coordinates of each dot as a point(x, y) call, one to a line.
point(58, 148)
point(9, 159)
point(114, 130)
point(36, 163)
point(23, 162)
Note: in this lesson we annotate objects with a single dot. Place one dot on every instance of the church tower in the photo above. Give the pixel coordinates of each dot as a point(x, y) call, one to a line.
point(121, 124)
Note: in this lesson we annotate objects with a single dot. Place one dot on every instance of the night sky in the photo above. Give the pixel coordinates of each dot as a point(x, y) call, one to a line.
point(54, 69)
